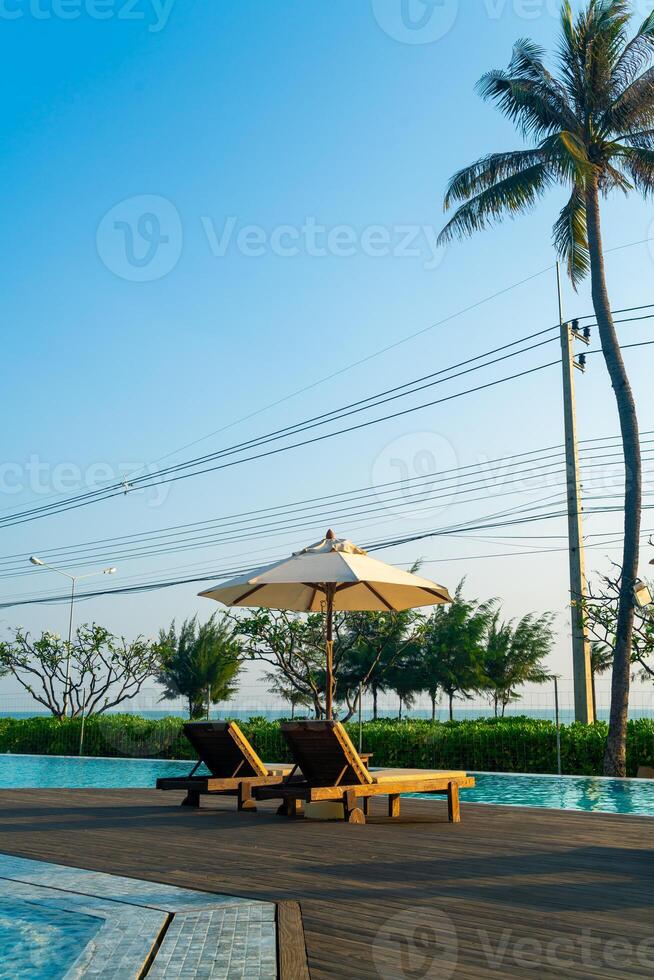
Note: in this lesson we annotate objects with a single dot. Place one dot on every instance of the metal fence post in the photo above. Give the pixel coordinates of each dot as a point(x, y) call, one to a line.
point(558, 725)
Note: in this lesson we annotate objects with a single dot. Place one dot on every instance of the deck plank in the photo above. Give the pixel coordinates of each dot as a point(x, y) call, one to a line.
point(504, 885)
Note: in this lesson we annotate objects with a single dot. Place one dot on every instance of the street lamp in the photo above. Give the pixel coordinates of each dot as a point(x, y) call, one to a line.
point(642, 594)
point(74, 579)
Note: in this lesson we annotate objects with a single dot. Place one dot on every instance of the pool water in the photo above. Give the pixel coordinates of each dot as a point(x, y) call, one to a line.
point(22, 771)
point(41, 943)
point(585, 793)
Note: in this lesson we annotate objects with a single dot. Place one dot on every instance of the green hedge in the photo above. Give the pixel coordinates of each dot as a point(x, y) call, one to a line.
point(490, 745)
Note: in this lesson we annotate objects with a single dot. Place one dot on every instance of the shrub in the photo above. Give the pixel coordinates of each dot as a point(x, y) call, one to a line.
point(483, 745)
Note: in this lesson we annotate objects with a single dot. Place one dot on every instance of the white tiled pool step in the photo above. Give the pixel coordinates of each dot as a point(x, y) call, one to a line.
point(192, 934)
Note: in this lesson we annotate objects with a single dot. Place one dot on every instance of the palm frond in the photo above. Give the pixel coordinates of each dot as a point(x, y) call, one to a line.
point(612, 179)
point(569, 57)
point(513, 195)
point(569, 153)
point(528, 60)
point(571, 237)
point(634, 107)
point(639, 164)
point(602, 36)
point(528, 94)
point(488, 171)
point(636, 54)
point(643, 139)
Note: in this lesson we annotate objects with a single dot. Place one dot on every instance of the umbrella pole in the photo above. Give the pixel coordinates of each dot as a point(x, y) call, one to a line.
point(329, 710)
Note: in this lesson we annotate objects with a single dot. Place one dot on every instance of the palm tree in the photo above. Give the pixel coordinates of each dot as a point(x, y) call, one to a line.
point(200, 663)
point(590, 127)
point(601, 658)
point(514, 655)
point(451, 651)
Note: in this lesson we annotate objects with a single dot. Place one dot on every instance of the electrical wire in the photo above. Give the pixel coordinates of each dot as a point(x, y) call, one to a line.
point(234, 530)
point(233, 572)
point(66, 505)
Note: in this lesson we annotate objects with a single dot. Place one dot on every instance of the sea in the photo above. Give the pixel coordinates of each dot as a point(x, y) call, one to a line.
point(566, 715)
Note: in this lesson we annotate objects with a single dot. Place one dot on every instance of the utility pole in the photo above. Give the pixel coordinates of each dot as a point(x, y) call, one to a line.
point(584, 710)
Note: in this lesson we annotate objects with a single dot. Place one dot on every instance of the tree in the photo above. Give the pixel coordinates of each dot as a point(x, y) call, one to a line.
point(286, 691)
point(451, 650)
point(601, 660)
point(200, 663)
point(590, 128)
point(403, 676)
point(364, 669)
point(602, 605)
point(377, 642)
point(105, 670)
point(365, 644)
point(513, 656)
point(294, 646)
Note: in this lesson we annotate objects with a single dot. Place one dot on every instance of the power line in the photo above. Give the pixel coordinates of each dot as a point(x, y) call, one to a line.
point(176, 472)
point(243, 528)
point(364, 360)
point(346, 504)
point(362, 404)
point(378, 546)
point(23, 517)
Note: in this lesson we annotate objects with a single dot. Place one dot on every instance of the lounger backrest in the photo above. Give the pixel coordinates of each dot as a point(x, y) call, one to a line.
point(224, 749)
point(324, 752)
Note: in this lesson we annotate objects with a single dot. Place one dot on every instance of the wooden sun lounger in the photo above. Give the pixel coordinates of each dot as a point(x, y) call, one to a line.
point(234, 766)
point(332, 769)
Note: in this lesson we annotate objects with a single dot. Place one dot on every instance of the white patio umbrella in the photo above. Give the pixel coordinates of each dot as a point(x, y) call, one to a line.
point(333, 574)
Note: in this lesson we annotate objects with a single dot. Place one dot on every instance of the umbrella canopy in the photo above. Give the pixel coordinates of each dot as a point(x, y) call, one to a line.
point(361, 583)
point(333, 574)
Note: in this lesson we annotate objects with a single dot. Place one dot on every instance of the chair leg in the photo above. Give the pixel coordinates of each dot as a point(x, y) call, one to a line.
point(290, 807)
point(245, 801)
point(453, 808)
point(352, 812)
point(365, 805)
point(192, 799)
point(394, 805)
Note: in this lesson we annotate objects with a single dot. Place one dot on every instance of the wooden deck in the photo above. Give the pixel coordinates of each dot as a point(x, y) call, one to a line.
point(506, 893)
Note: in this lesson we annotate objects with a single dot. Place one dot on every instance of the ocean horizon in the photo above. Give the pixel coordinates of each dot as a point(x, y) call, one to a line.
point(566, 715)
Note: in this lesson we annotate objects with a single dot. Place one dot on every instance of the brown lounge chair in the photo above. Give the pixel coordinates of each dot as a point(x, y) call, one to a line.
point(234, 765)
point(646, 772)
point(332, 769)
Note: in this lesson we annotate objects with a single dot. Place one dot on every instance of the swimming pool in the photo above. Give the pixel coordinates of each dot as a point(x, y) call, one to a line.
point(63, 923)
point(36, 940)
point(586, 793)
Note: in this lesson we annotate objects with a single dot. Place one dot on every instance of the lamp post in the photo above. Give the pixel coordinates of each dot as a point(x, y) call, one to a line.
point(73, 579)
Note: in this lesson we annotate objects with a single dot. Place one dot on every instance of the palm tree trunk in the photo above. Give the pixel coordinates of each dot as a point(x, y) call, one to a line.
point(615, 758)
point(374, 704)
point(451, 696)
point(433, 707)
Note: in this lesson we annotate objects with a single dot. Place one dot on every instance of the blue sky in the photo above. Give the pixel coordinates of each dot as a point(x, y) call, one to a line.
point(237, 127)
